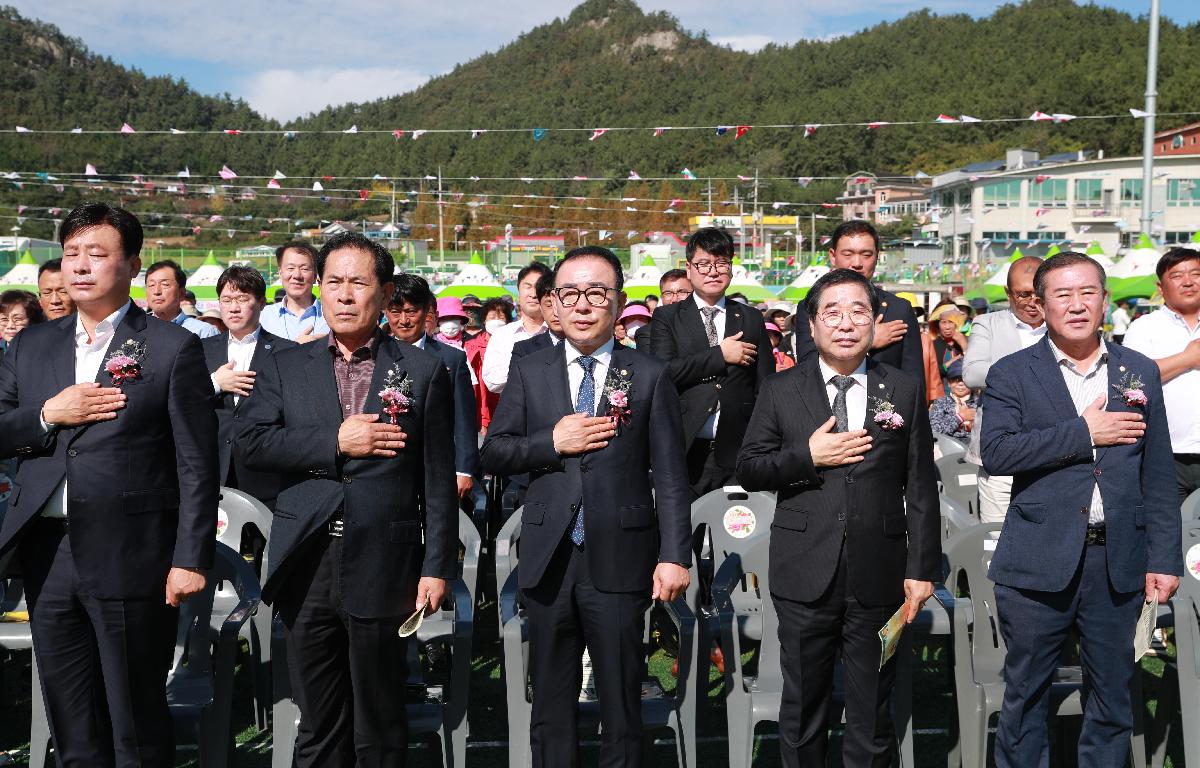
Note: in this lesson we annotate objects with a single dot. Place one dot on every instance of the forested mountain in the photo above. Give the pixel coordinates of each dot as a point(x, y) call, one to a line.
point(609, 64)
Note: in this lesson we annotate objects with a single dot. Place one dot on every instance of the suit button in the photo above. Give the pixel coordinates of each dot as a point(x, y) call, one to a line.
point(72, 453)
point(584, 468)
point(841, 517)
point(718, 386)
point(347, 480)
point(1083, 510)
point(237, 416)
point(850, 479)
point(228, 441)
point(1096, 472)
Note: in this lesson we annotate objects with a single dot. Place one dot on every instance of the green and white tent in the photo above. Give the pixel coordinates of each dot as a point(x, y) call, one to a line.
point(644, 280)
point(1134, 275)
point(798, 288)
point(474, 279)
point(742, 283)
point(993, 289)
point(23, 276)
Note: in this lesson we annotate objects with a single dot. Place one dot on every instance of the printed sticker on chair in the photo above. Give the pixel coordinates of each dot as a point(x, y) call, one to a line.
point(739, 522)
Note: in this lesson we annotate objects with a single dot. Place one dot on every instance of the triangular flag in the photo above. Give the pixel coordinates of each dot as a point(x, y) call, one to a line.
point(233, 132)
point(90, 170)
point(184, 174)
point(597, 133)
point(1138, 112)
point(744, 178)
point(226, 173)
point(418, 134)
point(946, 119)
point(23, 129)
point(661, 130)
point(363, 194)
point(633, 176)
point(741, 131)
point(804, 181)
point(177, 132)
point(76, 130)
point(810, 129)
point(397, 134)
point(317, 187)
point(1040, 117)
point(604, 233)
point(351, 129)
point(1040, 178)
point(278, 175)
point(877, 124)
point(539, 134)
point(722, 130)
point(631, 234)
point(969, 119)
point(475, 133)
point(920, 175)
point(273, 184)
point(1062, 117)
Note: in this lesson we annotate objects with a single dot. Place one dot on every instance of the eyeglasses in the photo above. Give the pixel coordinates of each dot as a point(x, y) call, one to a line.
point(673, 294)
point(833, 318)
point(240, 301)
point(705, 267)
point(1021, 295)
point(597, 296)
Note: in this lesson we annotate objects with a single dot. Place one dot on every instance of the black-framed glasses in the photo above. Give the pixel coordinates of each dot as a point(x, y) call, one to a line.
point(681, 294)
point(704, 267)
point(597, 295)
point(833, 318)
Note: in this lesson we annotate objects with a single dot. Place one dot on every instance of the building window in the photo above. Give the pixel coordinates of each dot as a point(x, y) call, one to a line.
point(1049, 236)
point(1088, 193)
point(1051, 193)
point(1177, 238)
point(1002, 194)
point(1131, 190)
point(1177, 142)
point(1183, 193)
point(1001, 236)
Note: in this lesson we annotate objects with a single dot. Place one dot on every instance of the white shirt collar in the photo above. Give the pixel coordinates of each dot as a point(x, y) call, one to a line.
point(248, 339)
point(104, 327)
point(1024, 326)
point(1176, 317)
point(602, 355)
point(420, 343)
point(859, 375)
point(701, 303)
point(1060, 357)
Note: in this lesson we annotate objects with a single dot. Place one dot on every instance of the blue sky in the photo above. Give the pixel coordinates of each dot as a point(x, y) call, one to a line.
point(289, 59)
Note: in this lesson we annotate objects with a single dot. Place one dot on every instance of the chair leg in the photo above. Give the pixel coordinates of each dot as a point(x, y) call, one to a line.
point(972, 734)
point(1138, 740)
point(260, 654)
point(741, 742)
point(902, 700)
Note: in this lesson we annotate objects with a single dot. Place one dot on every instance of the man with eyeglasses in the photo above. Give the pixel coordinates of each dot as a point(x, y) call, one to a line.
point(718, 353)
point(234, 358)
point(52, 291)
point(855, 245)
point(674, 286)
point(601, 537)
point(845, 442)
point(993, 336)
point(1171, 337)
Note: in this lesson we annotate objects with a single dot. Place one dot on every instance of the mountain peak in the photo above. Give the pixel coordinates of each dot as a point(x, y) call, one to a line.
point(596, 13)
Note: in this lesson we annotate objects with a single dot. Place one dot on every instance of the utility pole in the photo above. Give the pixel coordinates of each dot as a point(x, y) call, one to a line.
point(737, 200)
point(710, 193)
point(1148, 127)
point(441, 236)
point(757, 228)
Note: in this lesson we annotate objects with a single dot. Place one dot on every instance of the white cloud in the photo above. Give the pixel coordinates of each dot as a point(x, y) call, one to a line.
point(285, 94)
point(748, 43)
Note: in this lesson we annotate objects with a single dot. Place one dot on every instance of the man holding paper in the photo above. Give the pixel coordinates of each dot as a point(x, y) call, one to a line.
point(846, 443)
point(1093, 528)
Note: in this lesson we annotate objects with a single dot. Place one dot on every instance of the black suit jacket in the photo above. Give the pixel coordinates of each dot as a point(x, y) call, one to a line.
point(263, 486)
point(466, 414)
point(905, 354)
point(142, 487)
point(886, 507)
point(291, 425)
point(701, 374)
point(531, 345)
point(628, 528)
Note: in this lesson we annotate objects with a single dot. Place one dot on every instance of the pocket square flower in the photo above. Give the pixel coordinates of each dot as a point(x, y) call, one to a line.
point(125, 362)
point(1129, 389)
point(396, 394)
point(885, 414)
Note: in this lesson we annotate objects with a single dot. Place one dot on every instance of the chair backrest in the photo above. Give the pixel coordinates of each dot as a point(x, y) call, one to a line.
point(970, 552)
point(955, 517)
point(751, 570)
point(1190, 509)
point(472, 542)
point(236, 510)
point(1187, 605)
point(960, 480)
point(950, 446)
point(733, 520)
point(506, 548)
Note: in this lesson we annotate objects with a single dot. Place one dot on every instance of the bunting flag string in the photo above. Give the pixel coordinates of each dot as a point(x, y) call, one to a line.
point(738, 129)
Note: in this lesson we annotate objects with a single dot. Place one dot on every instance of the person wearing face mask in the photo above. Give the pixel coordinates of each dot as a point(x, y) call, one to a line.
point(496, 314)
point(635, 317)
point(451, 320)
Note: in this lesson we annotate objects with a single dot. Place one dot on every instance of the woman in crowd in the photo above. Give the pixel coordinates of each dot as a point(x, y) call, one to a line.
point(949, 343)
point(635, 317)
point(783, 360)
point(18, 310)
point(954, 414)
point(497, 313)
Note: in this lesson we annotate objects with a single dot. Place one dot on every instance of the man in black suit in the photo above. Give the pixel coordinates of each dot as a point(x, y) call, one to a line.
point(855, 245)
point(114, 508)
point(718, 354)
point(554, 331)
point(406, 312)
point(234, 357)
point(845, 441)
point(356, 423)
point(596, 544)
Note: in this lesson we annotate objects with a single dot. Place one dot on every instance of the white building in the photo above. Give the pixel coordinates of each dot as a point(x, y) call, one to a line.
point(987, 210)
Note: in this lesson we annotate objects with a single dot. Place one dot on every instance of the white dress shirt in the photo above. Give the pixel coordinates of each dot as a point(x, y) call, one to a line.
point(286, 325)
point(499, 353)
point(603, 357)
point(856, 396)
point(1161, 334)
point(1085, 387)
point(1027, 334)
point(241, 353)
point(198, 327)
point(709, 430)
point(89, 356)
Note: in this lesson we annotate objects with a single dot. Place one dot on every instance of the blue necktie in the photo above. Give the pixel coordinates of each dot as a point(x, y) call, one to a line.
point(584, 403)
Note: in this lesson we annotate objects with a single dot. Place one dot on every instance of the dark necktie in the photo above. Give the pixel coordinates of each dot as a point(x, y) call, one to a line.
point(710, 327)
point(584, 403)
point(842, 383)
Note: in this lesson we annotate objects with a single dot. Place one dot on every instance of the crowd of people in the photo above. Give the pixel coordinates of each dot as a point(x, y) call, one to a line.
point(364, 420)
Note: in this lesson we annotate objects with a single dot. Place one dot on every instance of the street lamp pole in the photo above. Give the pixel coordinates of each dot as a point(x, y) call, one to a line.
point(1148, 126)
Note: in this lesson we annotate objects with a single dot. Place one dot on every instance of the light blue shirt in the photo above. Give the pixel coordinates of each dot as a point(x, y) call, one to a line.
point(198, 327)
point(278, 320)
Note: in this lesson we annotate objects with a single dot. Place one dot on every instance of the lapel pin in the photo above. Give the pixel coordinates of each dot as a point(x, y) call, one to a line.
point(1122, 369)
point(881, 386)
point(624, 372)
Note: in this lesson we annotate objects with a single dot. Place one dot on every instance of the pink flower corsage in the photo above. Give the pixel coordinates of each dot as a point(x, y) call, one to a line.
point(396, 394)
point(1130, 390)
point(886, 416)
point(125, 362)
point(617, 390)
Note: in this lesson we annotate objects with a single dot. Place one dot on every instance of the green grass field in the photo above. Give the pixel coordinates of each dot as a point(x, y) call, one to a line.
point(934, 716)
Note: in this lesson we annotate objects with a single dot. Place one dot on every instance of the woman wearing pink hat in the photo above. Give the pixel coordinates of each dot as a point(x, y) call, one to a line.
point(783, 361)
point(634, 317)
point(452, 320)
